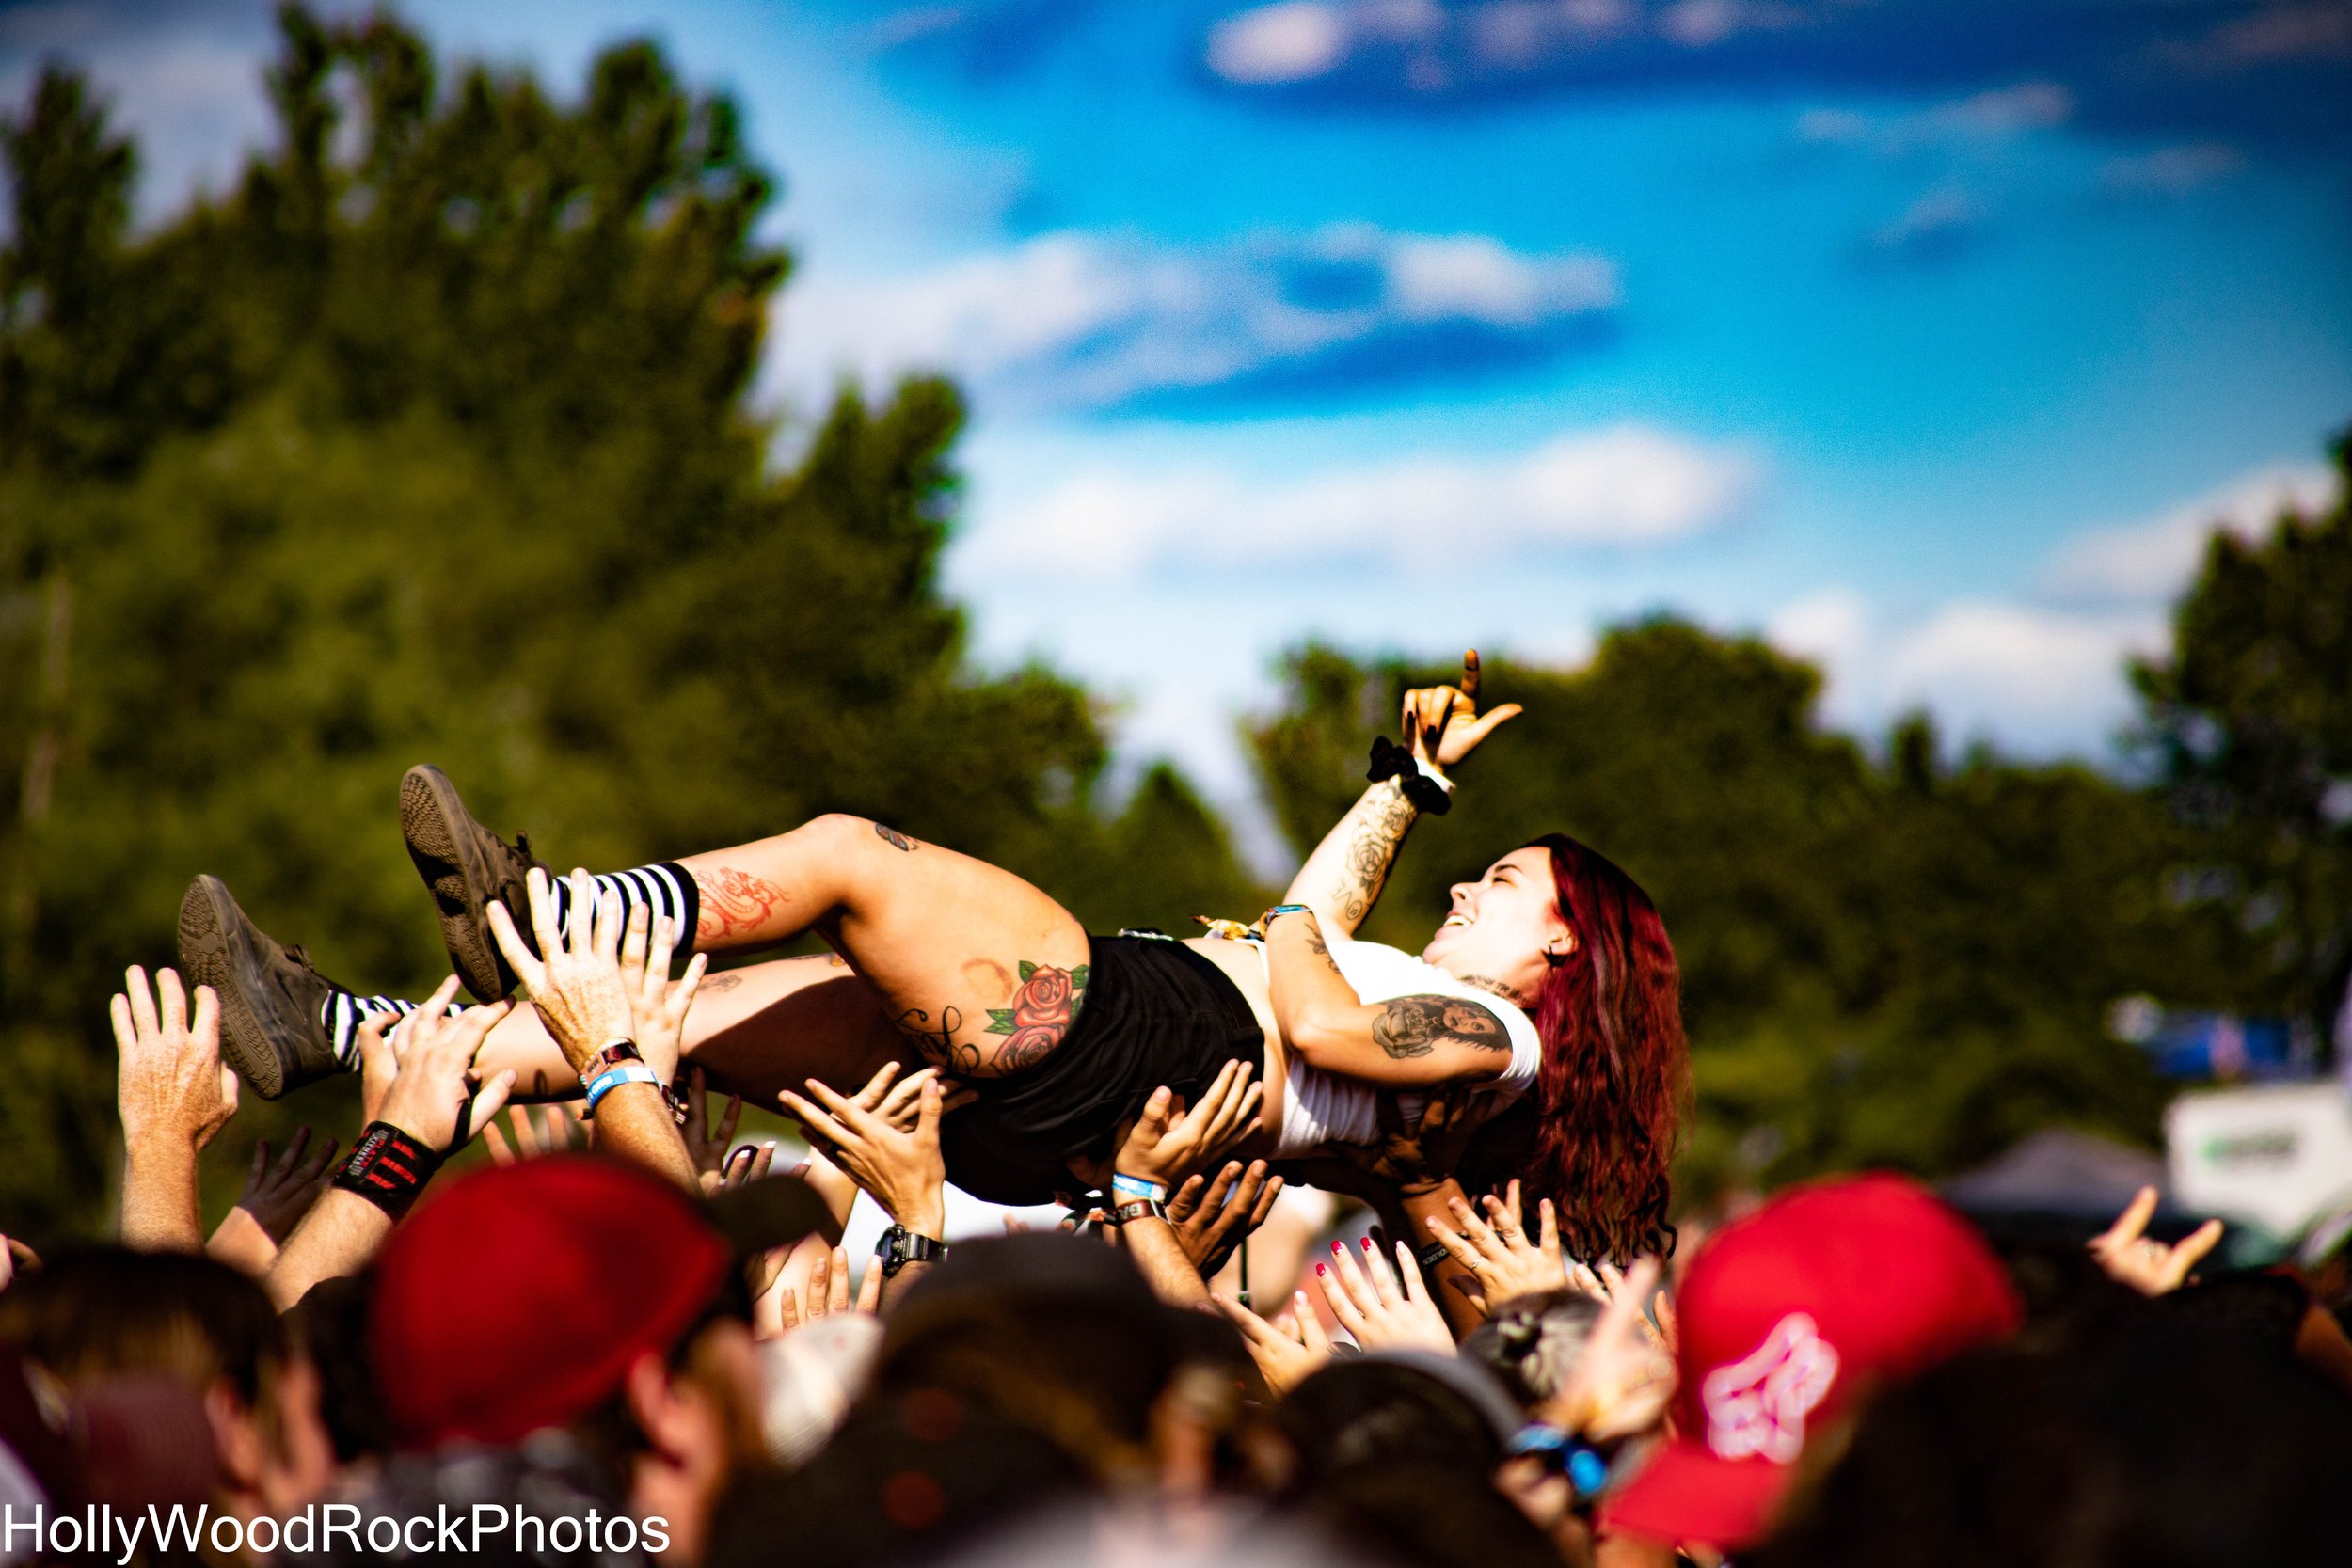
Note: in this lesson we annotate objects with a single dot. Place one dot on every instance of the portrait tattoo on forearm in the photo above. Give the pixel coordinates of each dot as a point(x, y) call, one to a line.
point(1039, 1016)
point(1414, 1025)
point(734, 903)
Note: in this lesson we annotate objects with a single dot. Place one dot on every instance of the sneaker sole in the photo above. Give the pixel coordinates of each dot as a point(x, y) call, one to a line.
point(211, 954)
point(436, 824)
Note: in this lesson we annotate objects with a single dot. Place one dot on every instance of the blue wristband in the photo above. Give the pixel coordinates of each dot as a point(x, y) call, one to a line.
point(1137, 1188)
point(628, 1072)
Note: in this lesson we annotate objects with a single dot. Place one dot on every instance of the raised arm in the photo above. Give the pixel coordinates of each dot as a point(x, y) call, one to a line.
point(1342, 879)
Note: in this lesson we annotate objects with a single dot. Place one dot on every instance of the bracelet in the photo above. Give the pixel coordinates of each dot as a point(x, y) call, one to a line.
point(1432, 1255)
point(1136, 1209)
point(1430, 791)
point(616, 1050)
point(628, 1072)
point(1583, 1462)
point(1268, 918)
point(387, 1167)
point(1137, 1187)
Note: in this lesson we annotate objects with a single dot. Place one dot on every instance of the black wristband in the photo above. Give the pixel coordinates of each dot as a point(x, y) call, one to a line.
point(387, 1167)
point(1391, 761)
point(1432, 1255)
point(1135, 1208)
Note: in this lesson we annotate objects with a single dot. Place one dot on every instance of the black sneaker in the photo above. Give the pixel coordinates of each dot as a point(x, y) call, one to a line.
point(273, 1025)
point(468, 867)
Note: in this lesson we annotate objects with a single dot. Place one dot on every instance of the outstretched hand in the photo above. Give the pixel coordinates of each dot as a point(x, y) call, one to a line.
point(1441, 723)
point(902, 1169)
point(1213, 1217)
point(423, 1070)
point(1623, 1381)
point(1285, 1355)
point(2131, 1256)
point(1168, 1141)
point(1384, 1310)
point(1501, 1260)
point(578, 990)
point(171, 1088)
point(278, 1196)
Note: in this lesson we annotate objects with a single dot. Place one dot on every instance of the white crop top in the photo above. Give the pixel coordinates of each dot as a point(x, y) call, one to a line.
point(1320, 1107)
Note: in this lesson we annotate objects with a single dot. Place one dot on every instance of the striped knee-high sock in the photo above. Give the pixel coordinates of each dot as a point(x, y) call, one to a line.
point(345, 1011)
point(665, 888)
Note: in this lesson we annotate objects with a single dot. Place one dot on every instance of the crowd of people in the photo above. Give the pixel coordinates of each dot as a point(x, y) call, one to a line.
point(623, 1334)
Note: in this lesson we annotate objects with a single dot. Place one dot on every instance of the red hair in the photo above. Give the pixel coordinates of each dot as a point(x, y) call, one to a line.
point(1599, 1131)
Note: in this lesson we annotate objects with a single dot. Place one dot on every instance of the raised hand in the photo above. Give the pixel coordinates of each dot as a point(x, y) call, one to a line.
point(1622, 1383)
point(707, 1144)
point(1284, 1358)
point(1442, 722)
point(2131, 1256)
point(424, 1070)
point(558, 1131)
point(578, 990)
point(15, 1258)
point(656, 1003)
point(1213, 1217)
point(1168, 1141)
point(170, 1088)
point(278, 1196)
point(1496, 1249)
point(903, 1170)
point(1384, 1310)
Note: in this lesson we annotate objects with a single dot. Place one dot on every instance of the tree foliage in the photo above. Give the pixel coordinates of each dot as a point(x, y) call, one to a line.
point(2249, 721)
point(434, 440)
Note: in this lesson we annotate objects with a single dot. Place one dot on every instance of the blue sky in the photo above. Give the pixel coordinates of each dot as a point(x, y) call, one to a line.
point(1925, 338)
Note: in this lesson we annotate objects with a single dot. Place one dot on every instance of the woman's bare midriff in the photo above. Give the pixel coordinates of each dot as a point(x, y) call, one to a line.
point(1244, 966)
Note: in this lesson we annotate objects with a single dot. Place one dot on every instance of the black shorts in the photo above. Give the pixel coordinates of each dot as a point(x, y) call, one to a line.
point(1154, 1012)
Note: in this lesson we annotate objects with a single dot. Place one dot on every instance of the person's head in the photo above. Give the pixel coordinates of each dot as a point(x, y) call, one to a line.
point(1576, 942)
point(1531, 1343)
point(1409, 1409)
point(1788, 1318)
point(572, 1292)
point(107, 1313)
point(1055, 1334)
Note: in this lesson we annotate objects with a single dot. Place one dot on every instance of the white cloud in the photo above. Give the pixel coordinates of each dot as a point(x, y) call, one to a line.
point(2035, 679)
point(2154, 558)
point(1995, 115)
point(1937, 217)
point(1294, 41)
point(2174, 170)
point(1078, 318)
point(1626, 485)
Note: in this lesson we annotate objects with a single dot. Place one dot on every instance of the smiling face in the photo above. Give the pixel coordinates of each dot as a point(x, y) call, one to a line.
point(1504, 931)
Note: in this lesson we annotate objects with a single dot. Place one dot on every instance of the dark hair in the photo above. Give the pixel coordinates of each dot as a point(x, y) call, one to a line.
point(1356, 1413)
point(104, 1311)
point(331, 1320)
point(1532, 1343)
point(1599, 1133)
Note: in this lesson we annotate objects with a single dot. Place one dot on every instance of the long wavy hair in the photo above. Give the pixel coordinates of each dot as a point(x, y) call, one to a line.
point(1599, 1133)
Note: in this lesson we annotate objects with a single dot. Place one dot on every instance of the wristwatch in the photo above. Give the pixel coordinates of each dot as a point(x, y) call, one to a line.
point(900, 1246)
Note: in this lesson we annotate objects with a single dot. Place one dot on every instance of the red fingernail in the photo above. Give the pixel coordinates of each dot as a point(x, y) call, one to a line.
point(1335, 1249)
point(1321, 1272)
point(1367, 1244)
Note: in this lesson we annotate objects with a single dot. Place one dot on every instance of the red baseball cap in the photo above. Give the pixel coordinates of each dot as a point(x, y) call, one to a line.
point(1787, 1316)
point(520, 1296)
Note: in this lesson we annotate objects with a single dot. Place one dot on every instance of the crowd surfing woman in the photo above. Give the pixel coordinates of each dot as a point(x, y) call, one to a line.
point(1538, 1028)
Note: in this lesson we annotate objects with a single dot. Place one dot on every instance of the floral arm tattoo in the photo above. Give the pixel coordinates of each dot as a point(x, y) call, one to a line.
point(1414, 1025)
point(1386, 814)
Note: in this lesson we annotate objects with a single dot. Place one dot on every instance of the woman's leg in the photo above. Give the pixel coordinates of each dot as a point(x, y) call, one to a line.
point(981, 971)
point(755, 1030)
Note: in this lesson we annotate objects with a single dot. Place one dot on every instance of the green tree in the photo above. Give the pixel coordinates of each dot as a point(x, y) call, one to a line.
point(2249, 722)
point(436, 441)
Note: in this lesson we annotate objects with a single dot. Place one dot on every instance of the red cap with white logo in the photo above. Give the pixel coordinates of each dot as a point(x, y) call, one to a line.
point(1787, 1316)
